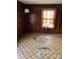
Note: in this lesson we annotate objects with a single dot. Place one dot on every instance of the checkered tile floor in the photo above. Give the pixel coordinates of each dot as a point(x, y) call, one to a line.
point(40, 46)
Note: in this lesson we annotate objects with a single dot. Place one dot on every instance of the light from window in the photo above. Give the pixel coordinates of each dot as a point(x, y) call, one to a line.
point(48, 18)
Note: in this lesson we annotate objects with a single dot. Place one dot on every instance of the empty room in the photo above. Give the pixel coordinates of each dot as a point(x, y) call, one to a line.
point(39, 29)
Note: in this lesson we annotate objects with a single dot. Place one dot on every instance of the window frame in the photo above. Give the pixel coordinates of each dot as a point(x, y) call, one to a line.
point(54, 9)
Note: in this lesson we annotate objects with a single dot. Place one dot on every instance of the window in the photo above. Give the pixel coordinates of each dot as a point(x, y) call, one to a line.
point(48, 18)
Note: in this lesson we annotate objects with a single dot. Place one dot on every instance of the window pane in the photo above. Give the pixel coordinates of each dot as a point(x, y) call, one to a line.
point(51, 14)
point(51, 21)
point(44, 14)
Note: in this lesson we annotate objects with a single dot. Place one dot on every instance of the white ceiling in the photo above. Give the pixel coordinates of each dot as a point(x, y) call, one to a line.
point(41, 1)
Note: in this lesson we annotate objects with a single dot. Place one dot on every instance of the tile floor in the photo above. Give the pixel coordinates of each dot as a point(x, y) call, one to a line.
point(40, 46)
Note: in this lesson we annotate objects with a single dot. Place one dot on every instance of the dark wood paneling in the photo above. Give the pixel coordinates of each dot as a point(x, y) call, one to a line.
point(20, 20)
point(36, 25)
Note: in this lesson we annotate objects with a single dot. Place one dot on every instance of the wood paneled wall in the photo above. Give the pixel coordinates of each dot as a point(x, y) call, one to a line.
point(36, 25)
point(20, 20)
